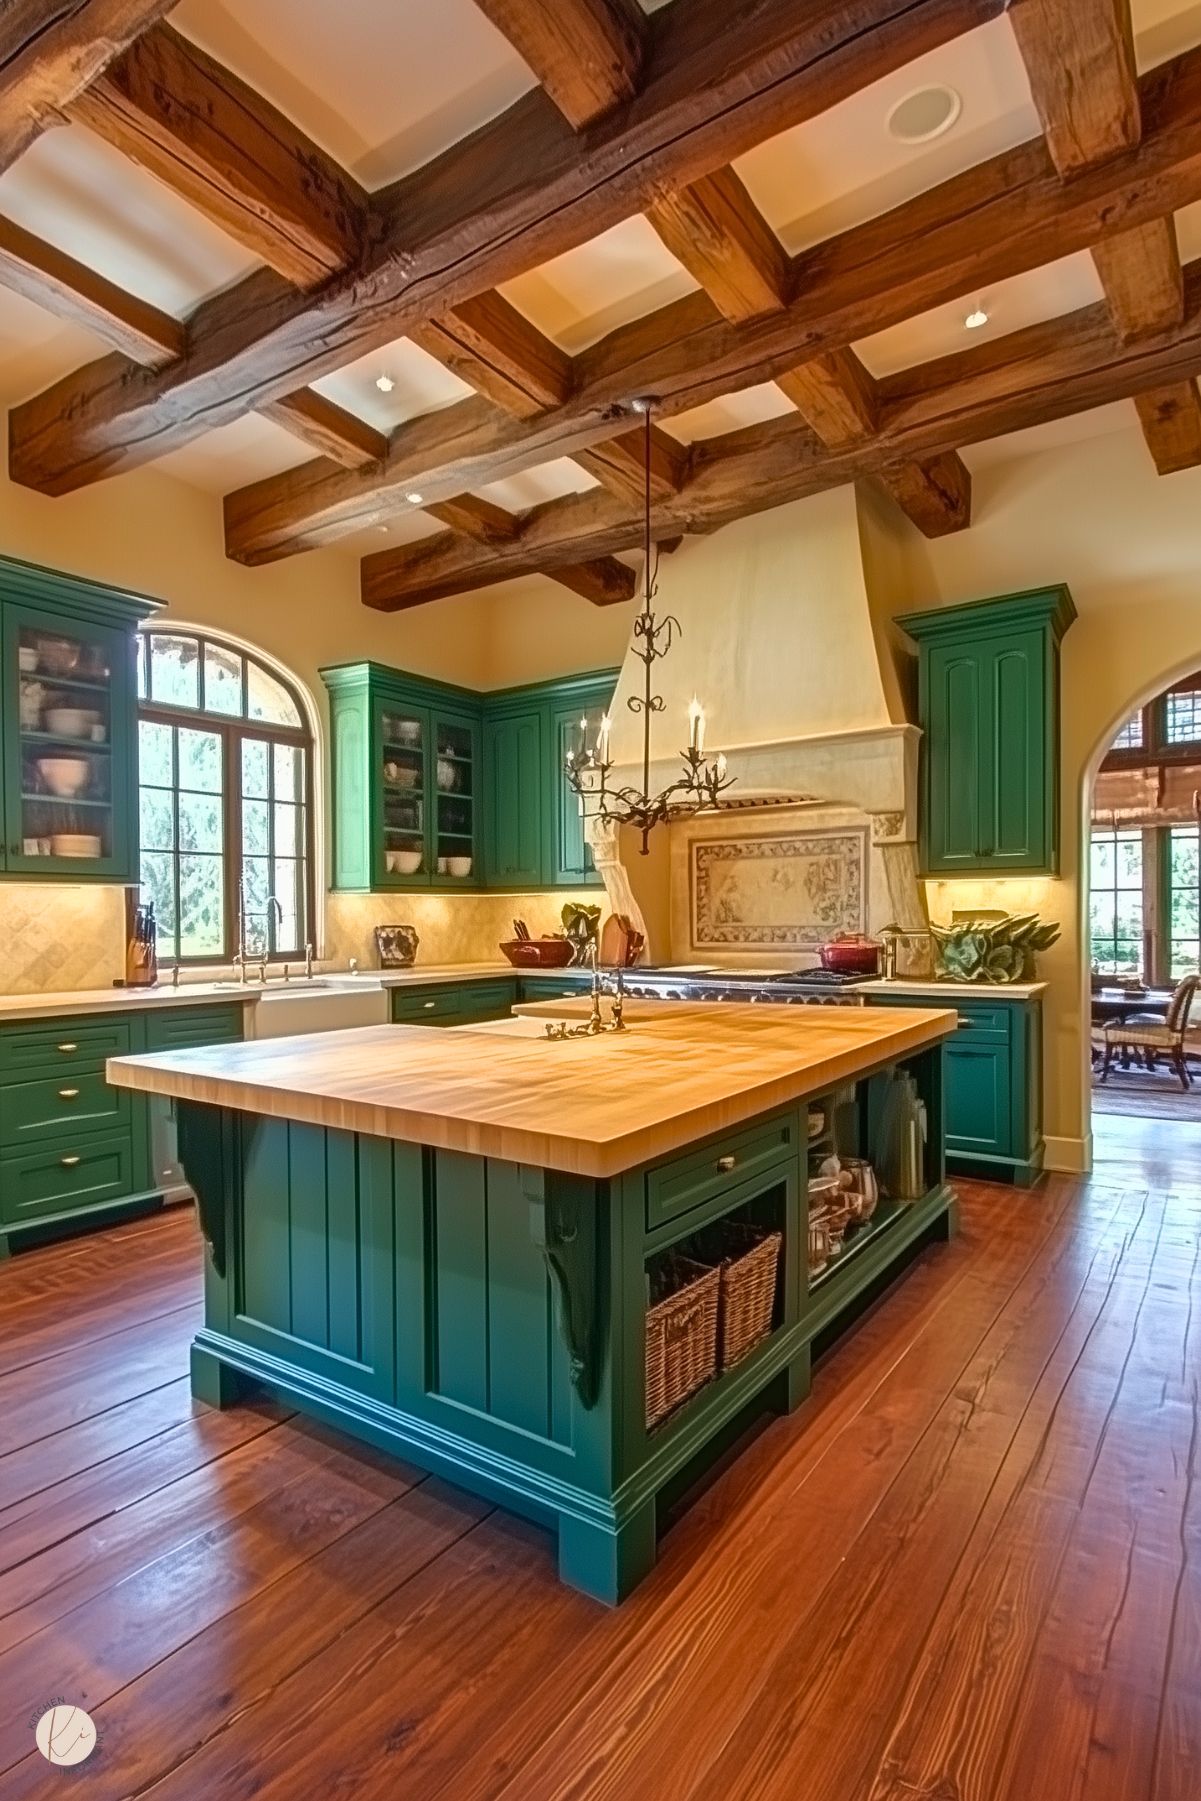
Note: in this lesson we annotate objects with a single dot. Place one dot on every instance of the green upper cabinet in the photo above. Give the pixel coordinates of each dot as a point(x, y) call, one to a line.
point(441, 787)
point(406, 781)
point(989, 705)
point(68, 727)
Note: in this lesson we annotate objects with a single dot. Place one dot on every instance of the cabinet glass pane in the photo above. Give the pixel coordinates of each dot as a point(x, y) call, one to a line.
point(402, 783)
point(454, 800)
point(65, 737)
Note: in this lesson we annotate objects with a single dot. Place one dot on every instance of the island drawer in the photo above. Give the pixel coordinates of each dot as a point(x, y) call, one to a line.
point(77, 1175)
point(184, 1028)
point(686, 1182)
point(68, 1046)
point(58, 1105)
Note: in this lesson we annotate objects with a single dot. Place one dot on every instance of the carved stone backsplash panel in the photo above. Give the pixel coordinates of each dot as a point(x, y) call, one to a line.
point(790, 892)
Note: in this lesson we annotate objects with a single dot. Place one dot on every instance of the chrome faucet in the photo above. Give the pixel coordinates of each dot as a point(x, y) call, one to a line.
point(242, 952)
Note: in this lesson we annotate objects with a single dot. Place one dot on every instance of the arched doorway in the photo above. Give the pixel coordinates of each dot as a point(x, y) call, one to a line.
point(1141, 902)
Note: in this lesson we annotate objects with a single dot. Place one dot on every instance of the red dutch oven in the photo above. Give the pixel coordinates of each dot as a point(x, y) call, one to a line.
point(851, 954)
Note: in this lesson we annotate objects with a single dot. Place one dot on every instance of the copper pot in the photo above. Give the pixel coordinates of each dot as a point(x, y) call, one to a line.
point(851, 954)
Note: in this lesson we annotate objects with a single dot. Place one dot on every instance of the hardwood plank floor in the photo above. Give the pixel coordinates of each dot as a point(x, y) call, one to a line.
point(965, 1570)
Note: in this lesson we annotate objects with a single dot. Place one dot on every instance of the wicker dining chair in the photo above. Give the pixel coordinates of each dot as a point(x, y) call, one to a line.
point(1132, 1038)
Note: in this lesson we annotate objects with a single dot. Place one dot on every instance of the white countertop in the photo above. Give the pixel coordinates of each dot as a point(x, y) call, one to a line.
point(121, 1000)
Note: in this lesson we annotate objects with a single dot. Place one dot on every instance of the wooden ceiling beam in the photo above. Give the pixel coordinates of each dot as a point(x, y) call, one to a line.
point(167, 104)
point(517, 192)
point(836, 394)
point(619, 464)
point(327, 428)
point(935, 494)
point(1171, 422)
point(586, 53)
point(992, 222)
point(71, 291)
point(1140, 272)
point(495, 349)
point(1046, 371)
point(715, 229)
point(604, 581)
point(50, 50)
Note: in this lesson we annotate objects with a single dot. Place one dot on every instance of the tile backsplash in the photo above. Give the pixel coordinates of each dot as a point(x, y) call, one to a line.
point(57, 937)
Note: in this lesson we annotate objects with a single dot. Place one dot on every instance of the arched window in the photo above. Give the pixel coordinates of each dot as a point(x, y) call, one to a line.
point(225, 787)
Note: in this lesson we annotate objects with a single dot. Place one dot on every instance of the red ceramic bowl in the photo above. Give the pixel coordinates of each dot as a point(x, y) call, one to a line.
point(538, 953)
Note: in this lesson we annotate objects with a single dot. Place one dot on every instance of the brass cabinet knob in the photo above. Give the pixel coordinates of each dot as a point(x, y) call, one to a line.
point(429, 1004)
point(68, 1094)
point(725, 1164)
point(68, 1162)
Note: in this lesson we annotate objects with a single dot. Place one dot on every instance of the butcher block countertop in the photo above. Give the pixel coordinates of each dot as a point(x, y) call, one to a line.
point(589, 1106)
point(121, 1000)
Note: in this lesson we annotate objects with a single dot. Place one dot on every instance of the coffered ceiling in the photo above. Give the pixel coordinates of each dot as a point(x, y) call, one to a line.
point(387, 274)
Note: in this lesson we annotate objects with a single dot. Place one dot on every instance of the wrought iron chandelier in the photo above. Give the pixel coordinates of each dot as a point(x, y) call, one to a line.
point(588, 765)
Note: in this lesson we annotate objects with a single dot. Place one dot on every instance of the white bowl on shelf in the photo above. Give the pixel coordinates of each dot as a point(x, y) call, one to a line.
point(70, 722)
point(27, 659)
point(74, 844)
point(448, 776)
point(458, 866)
point(64, 776)
point(408, 731)
point(404, 862)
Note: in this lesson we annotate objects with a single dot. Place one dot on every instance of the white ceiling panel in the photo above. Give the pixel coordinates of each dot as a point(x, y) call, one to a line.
point(1163, 28)
point(1041, 294)
point(580, 296)
point(235, 454)
point(843, 167)
point(1055, 435)
point(383, 85)
point(36, 350)
point(91, 201)
point(549, 481)
point(403, 528)
point(730, 413)
point(420, 385)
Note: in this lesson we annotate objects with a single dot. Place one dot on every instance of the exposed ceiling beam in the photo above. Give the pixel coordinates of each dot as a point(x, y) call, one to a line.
point(586, 53)
point(619, 464)
point(603, 581)
point(714, 228)
point(1171, 422)
point(934, 493)
point(228, 151)
point(1079, 56)
point(515, 193)
point(1047, 371)
point(327, 428)
point(992, 222)
point(71, 291)
point(495, 350)
point(50, 50)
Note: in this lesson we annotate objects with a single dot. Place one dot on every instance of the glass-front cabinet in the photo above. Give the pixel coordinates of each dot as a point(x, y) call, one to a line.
point(68, 751)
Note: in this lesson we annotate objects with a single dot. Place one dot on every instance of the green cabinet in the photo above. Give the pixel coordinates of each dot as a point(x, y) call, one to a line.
point(68, 727)
point(993, 1083)
point(989, 711)
point(73, 1150)
point(441, 787)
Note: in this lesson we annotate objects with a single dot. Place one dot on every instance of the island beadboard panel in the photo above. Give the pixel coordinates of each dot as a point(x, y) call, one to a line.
point(591, 1106)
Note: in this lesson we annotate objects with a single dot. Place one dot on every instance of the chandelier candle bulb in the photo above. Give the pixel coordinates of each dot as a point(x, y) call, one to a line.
point(696, 725)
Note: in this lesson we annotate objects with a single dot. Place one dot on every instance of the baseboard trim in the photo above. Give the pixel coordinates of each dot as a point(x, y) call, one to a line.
point(1070, 1156)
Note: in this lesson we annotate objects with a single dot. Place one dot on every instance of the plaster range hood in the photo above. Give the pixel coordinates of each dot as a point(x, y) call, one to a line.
point(801, 692)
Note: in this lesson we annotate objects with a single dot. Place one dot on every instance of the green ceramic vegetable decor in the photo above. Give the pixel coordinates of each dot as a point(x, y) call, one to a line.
point(992, 950)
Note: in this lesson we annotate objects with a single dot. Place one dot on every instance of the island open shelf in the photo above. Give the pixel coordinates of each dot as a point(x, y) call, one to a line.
point(448, 1246)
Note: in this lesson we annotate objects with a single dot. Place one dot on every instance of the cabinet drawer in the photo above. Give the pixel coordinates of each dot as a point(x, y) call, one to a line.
point(83, 1173)
point(185, 1029)
point(551, 988)
point(487, 1000)
point(56, 1108)
point(413, 1005)
point(687, 1182)
point(979, 1020)
point(63, 1045)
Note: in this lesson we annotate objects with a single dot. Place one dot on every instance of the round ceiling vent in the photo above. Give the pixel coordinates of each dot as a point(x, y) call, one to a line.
point(924, 114)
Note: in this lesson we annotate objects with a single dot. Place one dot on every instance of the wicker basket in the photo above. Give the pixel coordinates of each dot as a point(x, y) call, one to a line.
point(748, 1289)
point(681, 1335)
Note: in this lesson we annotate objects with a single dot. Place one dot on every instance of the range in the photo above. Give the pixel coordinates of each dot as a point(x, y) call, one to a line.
point(695, 982)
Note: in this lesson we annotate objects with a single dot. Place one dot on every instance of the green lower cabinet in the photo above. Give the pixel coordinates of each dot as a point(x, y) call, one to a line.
point(74, 1151)
point(993, 1085)
point(488, 1320)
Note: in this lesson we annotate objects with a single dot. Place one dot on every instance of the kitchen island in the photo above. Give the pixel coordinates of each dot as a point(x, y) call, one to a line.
point(447, 1245)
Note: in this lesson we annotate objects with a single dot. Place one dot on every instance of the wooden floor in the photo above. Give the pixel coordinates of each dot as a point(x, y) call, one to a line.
point(967, 1569)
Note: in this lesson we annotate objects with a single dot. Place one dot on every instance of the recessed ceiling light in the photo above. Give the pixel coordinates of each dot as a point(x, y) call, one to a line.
point(382, 528)
point(384, 383)
point(976, 318)
point(414, 499)
point(924, 114)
